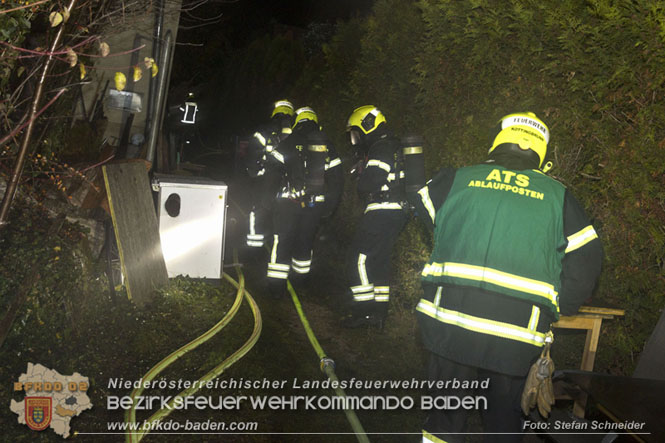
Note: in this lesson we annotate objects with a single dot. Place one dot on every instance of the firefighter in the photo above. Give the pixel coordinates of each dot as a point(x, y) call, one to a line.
point(188, 111)
point(311, 188)
point(263, 172)
point(380, 184)
point(513, 249)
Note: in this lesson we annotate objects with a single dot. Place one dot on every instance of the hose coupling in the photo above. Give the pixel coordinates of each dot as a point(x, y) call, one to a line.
point(326, 362)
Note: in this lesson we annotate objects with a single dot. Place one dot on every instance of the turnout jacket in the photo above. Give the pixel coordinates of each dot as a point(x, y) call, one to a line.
point(260, 165)
point(290, 154)
point(513, 249)
point(381, 176)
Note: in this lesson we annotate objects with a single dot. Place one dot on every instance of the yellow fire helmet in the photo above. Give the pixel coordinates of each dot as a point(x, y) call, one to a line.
point(282, 107)
point(305, 113)
point(525, 130)
point(366, 118)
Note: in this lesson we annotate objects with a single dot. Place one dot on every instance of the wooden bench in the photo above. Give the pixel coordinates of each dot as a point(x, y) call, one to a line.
point(589, 318)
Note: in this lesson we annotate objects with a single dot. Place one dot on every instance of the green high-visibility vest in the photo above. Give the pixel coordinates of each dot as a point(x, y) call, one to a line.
point(501, 230)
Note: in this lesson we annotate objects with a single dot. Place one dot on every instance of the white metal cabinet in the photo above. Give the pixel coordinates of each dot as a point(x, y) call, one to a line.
point(192, 225)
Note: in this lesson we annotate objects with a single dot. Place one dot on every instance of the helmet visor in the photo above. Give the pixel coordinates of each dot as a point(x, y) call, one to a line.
point(354, 136)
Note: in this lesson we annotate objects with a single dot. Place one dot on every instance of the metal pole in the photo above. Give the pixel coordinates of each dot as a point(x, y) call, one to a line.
point(151, 111)
point(159, 104)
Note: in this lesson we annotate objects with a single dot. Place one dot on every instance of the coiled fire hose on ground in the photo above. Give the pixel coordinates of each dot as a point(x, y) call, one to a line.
point(130, 415)
point(327, 364)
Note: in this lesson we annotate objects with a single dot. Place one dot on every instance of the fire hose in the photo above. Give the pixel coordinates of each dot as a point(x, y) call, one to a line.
point(130, 415)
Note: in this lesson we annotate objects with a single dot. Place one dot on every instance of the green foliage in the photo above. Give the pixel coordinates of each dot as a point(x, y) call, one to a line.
point(383, 75)
point(330, 71)
point(48, 266)
point(13, 28)
point(593, 71)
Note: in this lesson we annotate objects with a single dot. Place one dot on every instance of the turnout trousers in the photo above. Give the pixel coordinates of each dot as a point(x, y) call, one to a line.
point(259, 221)
point(294, 232)
point(258, 226)
point(502, 418)
point(368, 263)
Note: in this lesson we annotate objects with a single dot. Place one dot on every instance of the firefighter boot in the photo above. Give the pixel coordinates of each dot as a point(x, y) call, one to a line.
point(277, 290)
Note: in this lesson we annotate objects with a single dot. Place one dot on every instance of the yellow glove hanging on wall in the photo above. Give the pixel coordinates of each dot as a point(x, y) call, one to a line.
point(538, 389)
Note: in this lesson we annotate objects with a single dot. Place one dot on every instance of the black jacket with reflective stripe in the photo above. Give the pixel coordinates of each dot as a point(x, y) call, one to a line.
point(460, 331)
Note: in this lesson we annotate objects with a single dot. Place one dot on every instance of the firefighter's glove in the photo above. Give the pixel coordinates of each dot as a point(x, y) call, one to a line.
point(538, 389)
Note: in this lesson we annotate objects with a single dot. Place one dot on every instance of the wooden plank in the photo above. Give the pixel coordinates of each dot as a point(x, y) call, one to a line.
point(136, 230)
point(574, 322)
point(602, 311)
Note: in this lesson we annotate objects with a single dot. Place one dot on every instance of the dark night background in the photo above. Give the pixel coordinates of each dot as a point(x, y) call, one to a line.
point(213, 58)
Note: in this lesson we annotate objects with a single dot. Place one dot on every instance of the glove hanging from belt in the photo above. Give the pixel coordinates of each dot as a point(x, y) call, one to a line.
point(538, 389)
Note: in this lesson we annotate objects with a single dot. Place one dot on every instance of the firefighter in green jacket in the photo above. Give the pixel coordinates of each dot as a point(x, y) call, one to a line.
point(513, 249)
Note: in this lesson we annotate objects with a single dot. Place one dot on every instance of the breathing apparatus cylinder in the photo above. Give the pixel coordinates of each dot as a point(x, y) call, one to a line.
point(317, 151)
point(414, 163)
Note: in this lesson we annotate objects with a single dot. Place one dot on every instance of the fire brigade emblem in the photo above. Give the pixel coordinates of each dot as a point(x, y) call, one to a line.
point(38, 412)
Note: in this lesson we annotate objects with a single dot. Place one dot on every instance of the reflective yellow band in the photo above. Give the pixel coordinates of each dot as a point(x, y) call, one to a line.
point(334, 162)
point(279, 157)
point(260, 138)
point(382, 293)
point(362, 271)
point(273, 253)
point(427, 202)
point(363, 297)
point(252, 223)
point(278, 267)
point(581, 238)
point(379, 164)
point(503, 279)
point(362, 288)
point(392, 175)
point(301, 262)
point(291, 193)
point(301, 266)
point(384, 205)
point(413, 150)
point(481, 325)
point(317, 148)
point(278, 275)
point(535, 316)
point(363, 292)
